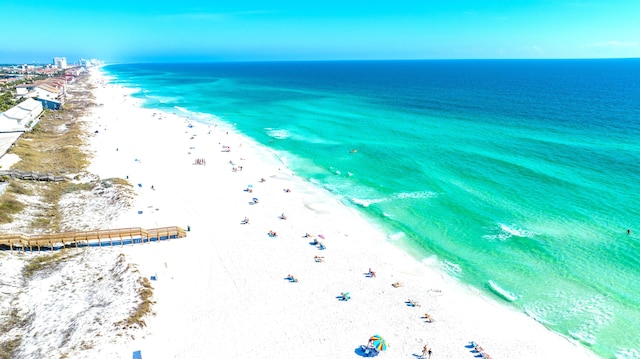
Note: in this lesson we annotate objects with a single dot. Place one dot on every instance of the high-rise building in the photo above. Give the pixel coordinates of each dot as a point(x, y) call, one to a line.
point(60, 62)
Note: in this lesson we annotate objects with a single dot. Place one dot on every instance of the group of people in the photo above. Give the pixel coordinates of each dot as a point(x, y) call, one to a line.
point(426, 352)
point(479, 349)
point(200, 161)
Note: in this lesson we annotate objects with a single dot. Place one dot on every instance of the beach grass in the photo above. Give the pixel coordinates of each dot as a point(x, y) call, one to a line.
point(116, 181)
point(9, 206)
point(18, 187)
point(144, 306)
point(55, 146)
point(13, 321)
point(8, 347)
point(46, 262)
point(49, 215)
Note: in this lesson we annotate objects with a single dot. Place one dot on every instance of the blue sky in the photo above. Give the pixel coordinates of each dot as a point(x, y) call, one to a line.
point(214, 30)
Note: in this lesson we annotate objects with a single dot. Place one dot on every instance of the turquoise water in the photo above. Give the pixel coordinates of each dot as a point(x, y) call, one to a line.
point(520, 176)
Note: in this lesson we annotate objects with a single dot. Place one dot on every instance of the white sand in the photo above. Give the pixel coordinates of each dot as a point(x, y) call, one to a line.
point(221, 291)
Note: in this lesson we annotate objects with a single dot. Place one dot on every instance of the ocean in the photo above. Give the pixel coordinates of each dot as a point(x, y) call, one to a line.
point(517, 177)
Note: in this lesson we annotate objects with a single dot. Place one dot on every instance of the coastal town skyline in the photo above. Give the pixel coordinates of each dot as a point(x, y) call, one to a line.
point(120, 31)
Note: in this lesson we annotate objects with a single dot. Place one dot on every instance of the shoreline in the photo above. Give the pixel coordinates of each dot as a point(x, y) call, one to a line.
point(240, 294)
point(223, 290)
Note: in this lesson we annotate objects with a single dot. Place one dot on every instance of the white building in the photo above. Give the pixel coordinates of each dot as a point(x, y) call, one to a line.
point(60, 62)
point(21, 117)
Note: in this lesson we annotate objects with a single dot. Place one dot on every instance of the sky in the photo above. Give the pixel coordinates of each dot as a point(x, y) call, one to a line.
point(252, 30)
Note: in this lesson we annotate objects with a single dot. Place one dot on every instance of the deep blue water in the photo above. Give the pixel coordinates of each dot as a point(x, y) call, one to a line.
point(520, 177)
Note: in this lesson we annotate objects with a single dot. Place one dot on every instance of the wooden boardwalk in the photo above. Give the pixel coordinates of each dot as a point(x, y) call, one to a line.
point(98, 238)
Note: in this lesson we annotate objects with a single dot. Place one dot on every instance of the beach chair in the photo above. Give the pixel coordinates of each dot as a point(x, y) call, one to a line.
point(368, 351)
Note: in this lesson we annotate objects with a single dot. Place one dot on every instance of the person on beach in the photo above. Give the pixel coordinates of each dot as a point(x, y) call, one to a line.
point(371, 273)
point(318, 259)
point(282, 216)
point(425, 351)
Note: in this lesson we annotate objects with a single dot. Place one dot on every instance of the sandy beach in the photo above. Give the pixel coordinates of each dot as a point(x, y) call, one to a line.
point(223, 292)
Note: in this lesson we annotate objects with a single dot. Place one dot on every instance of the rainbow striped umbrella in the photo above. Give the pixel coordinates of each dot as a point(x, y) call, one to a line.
point(378, 343)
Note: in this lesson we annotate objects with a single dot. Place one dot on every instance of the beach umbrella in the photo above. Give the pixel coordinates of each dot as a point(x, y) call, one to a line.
point(378, 343)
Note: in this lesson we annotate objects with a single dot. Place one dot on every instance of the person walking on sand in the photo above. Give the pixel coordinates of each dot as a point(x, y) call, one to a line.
point(424, 351)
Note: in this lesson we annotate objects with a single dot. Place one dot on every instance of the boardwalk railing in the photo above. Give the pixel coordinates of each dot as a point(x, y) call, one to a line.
point(97, 238)
point(35, 176)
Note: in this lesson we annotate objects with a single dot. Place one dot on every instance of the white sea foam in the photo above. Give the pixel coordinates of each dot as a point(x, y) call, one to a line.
point(182, 109)
point(451, 268)
point(594, 314)
point(430, 260)
point(364, 202)
point(537, 315)
point(361, 202)
point(514, 231)
point(503, 293)
point(414, 195)
point(279, 134)
point(627, 353)
point(396, 236)
point(583, 336)
point(505, 232)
